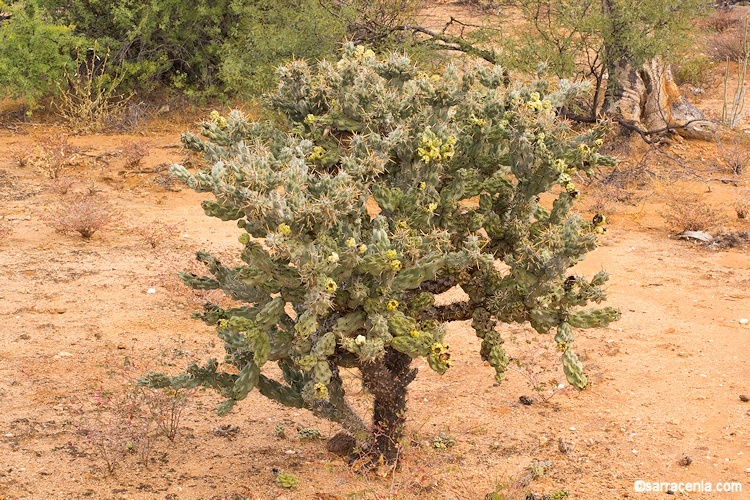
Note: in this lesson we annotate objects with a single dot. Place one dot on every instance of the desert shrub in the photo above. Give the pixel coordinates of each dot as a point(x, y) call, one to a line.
point(327, 284)
point(730, 45)
point(119, 424)
point(271, 33)
point(91, 99)
point(694, 70)
point(156, 233)
point(133, 152)
point(166, 408)
point(736, 155)
point(50, 154)
point(128, 420)
point(721, 20)
point(34, 51)
point(85, 215)
point(687, 212)
point(742, 207)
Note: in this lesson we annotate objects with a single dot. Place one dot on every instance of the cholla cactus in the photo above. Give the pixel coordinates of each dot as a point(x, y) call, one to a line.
point(328, 283)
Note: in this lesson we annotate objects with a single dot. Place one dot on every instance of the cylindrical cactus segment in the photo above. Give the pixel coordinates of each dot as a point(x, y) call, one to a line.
point(573, 370)
point(594, 318)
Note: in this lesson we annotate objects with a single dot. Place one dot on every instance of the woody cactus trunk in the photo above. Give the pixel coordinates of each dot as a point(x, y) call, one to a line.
point(385, 188)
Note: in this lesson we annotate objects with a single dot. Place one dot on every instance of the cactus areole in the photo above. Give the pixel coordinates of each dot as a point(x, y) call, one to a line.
point(387, 187)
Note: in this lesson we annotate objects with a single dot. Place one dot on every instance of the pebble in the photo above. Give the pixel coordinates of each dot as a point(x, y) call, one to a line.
point(151, 290)
point(543, 440)
point(744, 321)
point(62, 354)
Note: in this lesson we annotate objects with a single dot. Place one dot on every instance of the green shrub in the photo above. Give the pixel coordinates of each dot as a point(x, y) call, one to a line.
point(695, 70)
point(202, 46)
point(389, 186)
point(34, 52)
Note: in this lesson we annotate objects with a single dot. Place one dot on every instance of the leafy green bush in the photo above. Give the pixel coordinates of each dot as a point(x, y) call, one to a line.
point(34, 52)
point(388, 187)
point(588, 39)
point(202, 46)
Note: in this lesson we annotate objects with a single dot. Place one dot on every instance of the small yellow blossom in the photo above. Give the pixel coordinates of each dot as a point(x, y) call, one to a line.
point(321, 391)
point(331, 286)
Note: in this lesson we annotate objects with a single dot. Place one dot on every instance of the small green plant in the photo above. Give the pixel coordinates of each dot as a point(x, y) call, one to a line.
point(694, 70)
point(538, 469)
point(326, 283)
point(286, 480)
point(279, 431)
point(443, 441)
point(559, 495)
point(308, 433)
point(85, 214)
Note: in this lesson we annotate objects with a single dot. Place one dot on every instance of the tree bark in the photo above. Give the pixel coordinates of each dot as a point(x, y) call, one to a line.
point(648, 100)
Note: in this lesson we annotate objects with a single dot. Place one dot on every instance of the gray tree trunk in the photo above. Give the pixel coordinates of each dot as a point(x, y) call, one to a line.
point(648, 99)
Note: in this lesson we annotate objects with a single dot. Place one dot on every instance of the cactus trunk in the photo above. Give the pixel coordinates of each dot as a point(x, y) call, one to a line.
point(388, 381)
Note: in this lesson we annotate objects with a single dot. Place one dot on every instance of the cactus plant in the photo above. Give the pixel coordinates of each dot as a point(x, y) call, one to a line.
point(329, 283)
